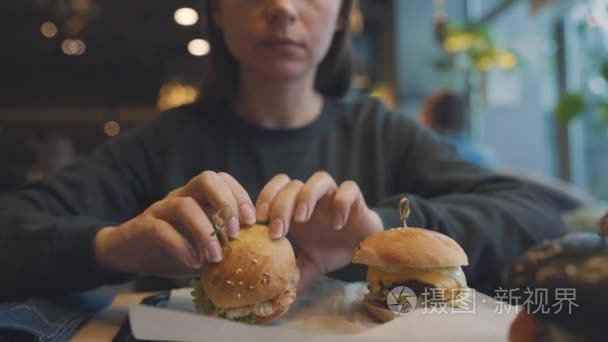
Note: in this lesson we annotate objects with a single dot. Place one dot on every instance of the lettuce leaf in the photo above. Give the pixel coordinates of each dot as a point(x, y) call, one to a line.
point(205, 306)
point(249, 319)
point(201, 302)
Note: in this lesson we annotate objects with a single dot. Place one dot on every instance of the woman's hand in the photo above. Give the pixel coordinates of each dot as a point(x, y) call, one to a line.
point(174, 235)
point(326, 221)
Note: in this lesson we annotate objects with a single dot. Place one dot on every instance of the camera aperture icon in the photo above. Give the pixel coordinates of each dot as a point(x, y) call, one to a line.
point(401, 300)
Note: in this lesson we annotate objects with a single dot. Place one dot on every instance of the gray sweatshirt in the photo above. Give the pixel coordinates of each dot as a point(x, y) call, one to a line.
point(47, 230)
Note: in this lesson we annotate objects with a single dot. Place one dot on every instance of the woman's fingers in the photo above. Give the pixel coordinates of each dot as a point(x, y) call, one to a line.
point(185, 213)
point(347, 197)
point(318, 185)
point(243, 201)
point(210, 188)
point(178, 226)
point(293, 201)
point(281, 210)
point(268, 194)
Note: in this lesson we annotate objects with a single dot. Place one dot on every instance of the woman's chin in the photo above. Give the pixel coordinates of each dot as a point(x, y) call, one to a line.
point(284, 72)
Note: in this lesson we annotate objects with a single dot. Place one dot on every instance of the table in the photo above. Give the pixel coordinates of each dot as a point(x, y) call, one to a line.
point(105, 325)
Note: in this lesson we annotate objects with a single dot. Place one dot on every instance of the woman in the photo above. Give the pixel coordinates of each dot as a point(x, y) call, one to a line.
point(270, 128)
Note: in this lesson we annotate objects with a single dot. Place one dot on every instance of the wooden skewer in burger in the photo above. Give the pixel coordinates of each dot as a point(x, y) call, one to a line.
point(416, 258)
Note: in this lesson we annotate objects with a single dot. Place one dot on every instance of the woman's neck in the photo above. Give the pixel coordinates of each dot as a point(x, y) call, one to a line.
point(274, 104)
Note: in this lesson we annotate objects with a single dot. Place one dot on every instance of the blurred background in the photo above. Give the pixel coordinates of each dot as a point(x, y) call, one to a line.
point(531, 77)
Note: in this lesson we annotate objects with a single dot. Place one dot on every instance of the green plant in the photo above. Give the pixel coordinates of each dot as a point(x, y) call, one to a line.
point(568, 107)
point(573, 104)
point(593, 53)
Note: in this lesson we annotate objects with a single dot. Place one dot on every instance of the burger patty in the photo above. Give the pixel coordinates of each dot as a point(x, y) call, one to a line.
point(380, 299)
point(376, 300)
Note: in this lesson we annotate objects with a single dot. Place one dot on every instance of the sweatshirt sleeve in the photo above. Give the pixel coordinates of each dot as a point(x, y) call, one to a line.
point(48, 229)
point(494, 218)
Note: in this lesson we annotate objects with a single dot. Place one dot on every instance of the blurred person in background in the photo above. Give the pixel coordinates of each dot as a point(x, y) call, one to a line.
point(273, 141)
point(446, 113)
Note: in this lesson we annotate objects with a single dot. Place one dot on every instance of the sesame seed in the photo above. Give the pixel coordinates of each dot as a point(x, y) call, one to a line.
point(265, 278)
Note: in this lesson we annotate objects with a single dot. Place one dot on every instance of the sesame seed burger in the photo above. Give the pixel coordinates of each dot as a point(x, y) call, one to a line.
point(255, 282)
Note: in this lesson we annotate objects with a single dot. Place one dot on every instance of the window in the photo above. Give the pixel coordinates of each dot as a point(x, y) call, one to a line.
point(586, 41)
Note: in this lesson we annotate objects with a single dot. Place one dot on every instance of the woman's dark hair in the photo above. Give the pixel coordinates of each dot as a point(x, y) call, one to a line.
point(222, 79)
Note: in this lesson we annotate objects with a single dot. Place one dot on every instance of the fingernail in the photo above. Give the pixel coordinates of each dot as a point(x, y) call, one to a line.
point(276, 228)
point(194, 261)
point(263, 211)
point(233, 228)
point(338, 225)
point(215, 251)
point(301, 212)
point(248, 214)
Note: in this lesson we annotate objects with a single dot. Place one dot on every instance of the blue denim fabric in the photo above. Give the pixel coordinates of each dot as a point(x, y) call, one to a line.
point(51, 319)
